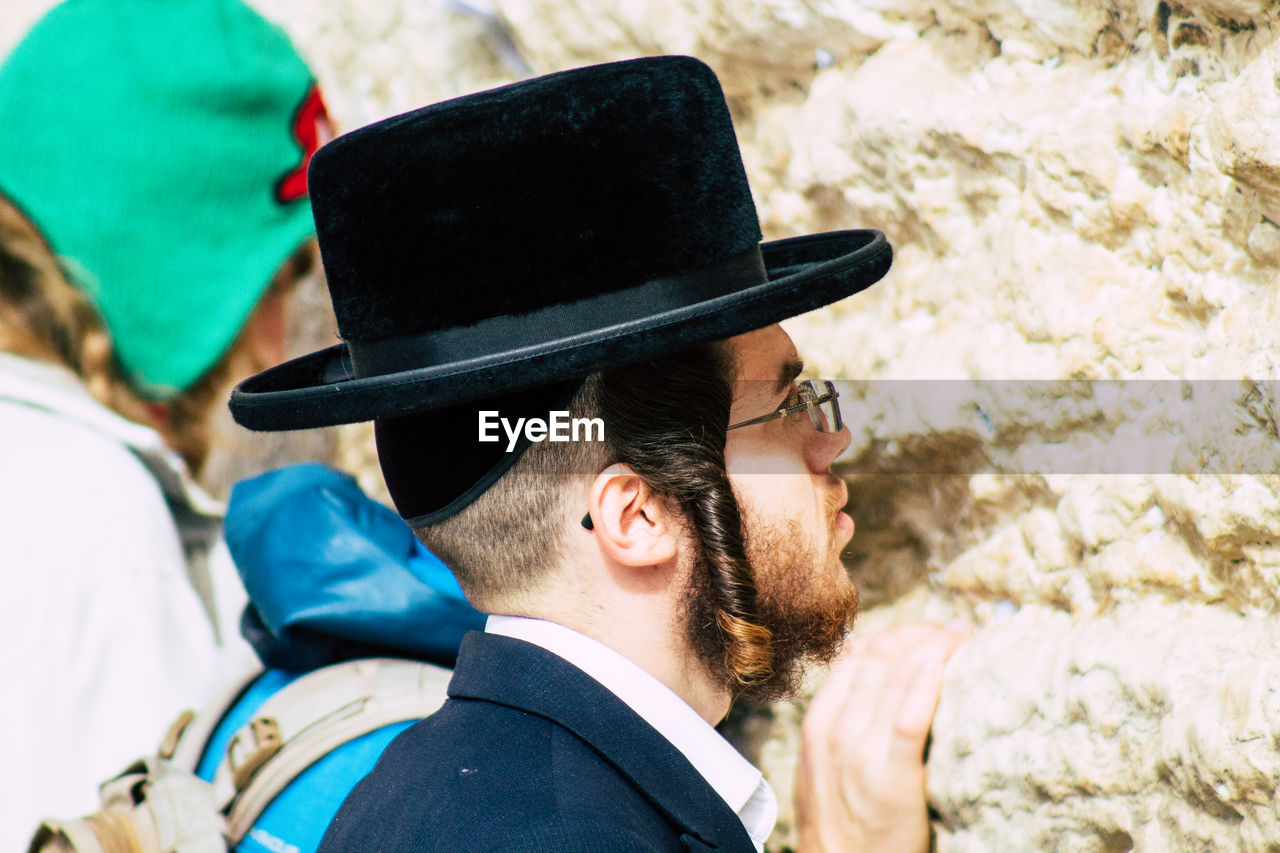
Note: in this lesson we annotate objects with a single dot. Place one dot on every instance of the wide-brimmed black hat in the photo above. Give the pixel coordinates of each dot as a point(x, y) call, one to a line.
point(529, 234)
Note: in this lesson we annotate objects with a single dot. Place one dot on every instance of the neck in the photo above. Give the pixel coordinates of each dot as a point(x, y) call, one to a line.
point(645, 630)
point(665, 655)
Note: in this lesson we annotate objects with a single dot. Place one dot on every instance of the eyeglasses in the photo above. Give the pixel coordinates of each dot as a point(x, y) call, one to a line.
point(815, 396)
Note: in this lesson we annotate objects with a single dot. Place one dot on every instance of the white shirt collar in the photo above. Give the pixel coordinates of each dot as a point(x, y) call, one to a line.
point(740, 784)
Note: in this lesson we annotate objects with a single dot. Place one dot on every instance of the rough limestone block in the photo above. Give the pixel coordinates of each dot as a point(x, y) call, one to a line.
point(1241, 129)
point(1150, 726)
point(1074, 191)
point(382, 58)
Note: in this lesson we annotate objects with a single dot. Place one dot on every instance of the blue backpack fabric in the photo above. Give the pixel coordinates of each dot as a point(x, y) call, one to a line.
point(332, 576)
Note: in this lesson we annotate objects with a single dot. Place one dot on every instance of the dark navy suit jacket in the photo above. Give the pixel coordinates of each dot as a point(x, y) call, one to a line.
point(531, 754)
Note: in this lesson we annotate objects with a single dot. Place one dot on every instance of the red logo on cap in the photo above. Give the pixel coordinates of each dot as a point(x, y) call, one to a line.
point(310, 128)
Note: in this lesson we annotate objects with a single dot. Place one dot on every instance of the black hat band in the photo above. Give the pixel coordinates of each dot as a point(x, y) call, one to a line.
point(558, 322)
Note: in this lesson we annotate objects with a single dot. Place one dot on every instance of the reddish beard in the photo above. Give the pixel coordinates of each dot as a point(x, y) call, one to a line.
point(807, 613)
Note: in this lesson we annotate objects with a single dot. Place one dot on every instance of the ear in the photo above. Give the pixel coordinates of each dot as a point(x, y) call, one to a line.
point(631, 525)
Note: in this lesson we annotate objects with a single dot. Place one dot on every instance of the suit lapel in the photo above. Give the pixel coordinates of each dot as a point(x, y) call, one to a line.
point(521, 675)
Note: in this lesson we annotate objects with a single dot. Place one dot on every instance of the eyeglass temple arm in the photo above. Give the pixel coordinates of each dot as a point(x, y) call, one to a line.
point(788, 410)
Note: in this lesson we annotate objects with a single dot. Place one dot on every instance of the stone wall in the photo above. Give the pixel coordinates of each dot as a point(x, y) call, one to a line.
point(1075, 191)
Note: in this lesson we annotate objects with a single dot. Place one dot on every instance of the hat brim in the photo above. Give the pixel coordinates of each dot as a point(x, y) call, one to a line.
point(804, 273)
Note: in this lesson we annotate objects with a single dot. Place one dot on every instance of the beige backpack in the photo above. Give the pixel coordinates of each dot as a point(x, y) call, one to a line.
point(160, 805)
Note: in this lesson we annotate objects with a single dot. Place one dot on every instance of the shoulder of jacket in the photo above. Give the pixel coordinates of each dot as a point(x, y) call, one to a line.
point(554, 836)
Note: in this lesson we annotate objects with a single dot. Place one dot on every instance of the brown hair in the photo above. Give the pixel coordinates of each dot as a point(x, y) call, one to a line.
point(45, 317)
point(667, 419)
point(41, 315)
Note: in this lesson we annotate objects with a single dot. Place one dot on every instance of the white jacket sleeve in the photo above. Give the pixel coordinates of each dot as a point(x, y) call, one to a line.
point(104, 639)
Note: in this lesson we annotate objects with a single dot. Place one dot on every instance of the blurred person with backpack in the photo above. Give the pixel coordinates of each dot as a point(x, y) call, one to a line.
point(356, 624)
point(153, 223)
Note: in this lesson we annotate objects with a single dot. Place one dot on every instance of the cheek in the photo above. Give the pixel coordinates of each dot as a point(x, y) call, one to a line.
point(782, 497)
point(764, 451)
point(774, 479)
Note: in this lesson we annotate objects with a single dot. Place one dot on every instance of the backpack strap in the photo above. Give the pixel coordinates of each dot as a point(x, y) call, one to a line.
point(160, 804)
point(188, 736)
point(152, 807)
point(157, 803)
point(310, 717)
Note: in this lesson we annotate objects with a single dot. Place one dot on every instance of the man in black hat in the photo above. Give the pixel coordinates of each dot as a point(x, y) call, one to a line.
point(556, 308)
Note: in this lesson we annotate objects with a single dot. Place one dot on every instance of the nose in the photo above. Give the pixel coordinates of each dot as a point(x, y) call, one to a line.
point(824, 447)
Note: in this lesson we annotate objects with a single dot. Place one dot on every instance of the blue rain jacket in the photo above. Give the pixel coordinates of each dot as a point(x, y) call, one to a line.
point(334, 575)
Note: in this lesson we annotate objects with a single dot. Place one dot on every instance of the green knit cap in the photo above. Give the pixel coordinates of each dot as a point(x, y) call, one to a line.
point(161, 147)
